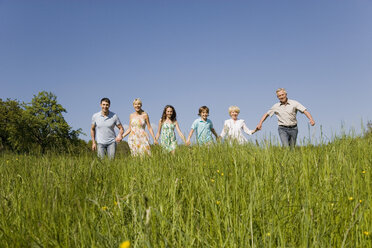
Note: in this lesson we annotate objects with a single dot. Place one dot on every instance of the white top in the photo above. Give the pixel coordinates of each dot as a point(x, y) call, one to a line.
point(233, 130)
point(286, 113)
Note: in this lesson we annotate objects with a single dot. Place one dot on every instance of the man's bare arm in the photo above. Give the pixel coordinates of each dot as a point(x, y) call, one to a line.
point(93, 134)
point(308, 115)
point(259, 126)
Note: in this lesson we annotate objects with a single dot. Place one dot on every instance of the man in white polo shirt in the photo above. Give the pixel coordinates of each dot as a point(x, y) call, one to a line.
point(103, 130)
point(286, 110)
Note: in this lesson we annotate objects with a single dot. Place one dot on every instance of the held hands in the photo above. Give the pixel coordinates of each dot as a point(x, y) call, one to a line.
point(156, 139)
point(259, 126)
point(118, 138)
point(255, 130)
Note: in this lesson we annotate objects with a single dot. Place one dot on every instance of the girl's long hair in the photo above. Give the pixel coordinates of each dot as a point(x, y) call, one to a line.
point(164, 115)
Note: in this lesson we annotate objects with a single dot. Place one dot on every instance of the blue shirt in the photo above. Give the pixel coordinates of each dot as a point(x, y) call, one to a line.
point(105, 127)
point(203, 130)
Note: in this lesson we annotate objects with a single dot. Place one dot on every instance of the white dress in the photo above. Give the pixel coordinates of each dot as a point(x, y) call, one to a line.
point(138, 139)
point(233, 131)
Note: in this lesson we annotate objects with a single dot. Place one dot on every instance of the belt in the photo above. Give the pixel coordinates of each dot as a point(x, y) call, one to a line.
point(293, 126)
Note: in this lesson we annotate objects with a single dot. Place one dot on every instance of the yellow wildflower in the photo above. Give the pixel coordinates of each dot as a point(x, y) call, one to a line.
point(212, 180)
point(360, 201)
point(104, 208)
point(366, 233)
point(125, 244)
point(332, 204)
point(351, 198)
point(218, 202)
point(218, 171)
point(268, 234)
point(364, 172)
point(222, 174)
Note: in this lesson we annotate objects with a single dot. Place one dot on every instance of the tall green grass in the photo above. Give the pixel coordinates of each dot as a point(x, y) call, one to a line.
point(218, 196)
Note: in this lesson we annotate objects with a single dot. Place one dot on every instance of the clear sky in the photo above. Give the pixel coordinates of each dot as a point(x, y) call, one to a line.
point(193, 53)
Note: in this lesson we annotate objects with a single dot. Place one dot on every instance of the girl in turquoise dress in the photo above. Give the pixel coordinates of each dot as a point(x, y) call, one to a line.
point(167, 124)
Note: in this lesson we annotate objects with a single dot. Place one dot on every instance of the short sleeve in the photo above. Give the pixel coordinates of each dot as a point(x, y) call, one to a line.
point(93, 120)
point(195, 124)
point(210, 122)
point(117, 120)
point(300, 107)
point(271, 111)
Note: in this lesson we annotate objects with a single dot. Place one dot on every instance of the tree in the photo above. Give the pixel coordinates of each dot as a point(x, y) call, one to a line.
point(46, 124)
point(12, 125)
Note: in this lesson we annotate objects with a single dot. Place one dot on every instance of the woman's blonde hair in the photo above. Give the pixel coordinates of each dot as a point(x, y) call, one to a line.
point(234, 108)
point(137, 100)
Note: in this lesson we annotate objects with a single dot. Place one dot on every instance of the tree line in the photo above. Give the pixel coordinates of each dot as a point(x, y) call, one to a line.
point(36, 126)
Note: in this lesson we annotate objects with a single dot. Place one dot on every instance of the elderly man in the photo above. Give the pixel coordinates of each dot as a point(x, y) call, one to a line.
point(286, 110)
point(103, 130)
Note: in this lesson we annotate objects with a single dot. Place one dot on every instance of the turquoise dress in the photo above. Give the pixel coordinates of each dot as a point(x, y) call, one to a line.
point(168, 137)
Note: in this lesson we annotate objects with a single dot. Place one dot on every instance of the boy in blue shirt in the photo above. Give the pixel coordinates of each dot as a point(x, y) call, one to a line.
point(203, 128)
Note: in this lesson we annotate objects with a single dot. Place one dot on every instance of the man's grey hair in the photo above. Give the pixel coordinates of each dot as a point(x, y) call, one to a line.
point(281, 89)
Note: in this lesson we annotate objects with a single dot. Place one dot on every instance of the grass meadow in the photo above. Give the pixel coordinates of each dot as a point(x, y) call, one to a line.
point(219, 196)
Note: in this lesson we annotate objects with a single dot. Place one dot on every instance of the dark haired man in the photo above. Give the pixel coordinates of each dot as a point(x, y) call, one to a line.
point(103, 130)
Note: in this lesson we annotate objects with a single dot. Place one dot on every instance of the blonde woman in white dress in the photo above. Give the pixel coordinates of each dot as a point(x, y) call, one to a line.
point(233, 128)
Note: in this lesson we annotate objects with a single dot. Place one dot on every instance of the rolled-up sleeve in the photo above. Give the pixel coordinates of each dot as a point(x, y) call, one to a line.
point(246, 129)
point(224, 130)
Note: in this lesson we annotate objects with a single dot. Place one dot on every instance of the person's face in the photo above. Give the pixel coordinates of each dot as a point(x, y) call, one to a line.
point(169, 112)
point(105, 106)
point(137, 106)
point(282, 96)
point(204, 115)
point(234, 115)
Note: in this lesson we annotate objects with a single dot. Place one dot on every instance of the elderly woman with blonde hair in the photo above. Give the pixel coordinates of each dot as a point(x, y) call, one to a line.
point(233, 127)
point(138, 140)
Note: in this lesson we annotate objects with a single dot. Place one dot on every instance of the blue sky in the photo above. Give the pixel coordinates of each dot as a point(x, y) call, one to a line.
point(192, 53)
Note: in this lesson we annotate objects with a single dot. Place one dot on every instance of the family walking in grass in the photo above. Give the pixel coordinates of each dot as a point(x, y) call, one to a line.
point(104, 139)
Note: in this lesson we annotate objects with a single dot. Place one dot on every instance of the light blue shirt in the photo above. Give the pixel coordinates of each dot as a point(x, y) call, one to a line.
point(105, 127)
point(203, 130)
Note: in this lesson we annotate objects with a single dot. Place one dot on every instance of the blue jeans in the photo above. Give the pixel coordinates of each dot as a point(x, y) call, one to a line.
point(288, 135)
point(109, 149)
